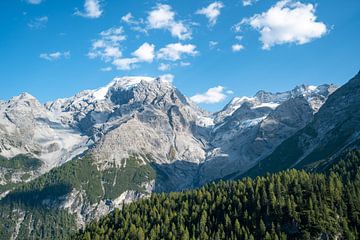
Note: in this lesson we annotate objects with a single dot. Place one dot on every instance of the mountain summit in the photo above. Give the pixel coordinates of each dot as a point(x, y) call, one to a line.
point(84, 155)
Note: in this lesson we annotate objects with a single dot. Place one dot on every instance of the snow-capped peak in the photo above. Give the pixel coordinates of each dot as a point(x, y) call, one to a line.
point(273, 100)
point(129, 82)
point(124, 83)
point(23, 96)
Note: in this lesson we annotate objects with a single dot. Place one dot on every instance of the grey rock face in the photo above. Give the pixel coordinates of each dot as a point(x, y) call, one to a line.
point(149, 118)
point(26, 127)
point(248, 129)
point(334, 129)
point(150, 121)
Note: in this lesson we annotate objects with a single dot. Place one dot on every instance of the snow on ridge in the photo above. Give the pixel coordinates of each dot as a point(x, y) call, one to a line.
point(129, 82)
point(271, 105)
point(312, 88)
point(125, 83)
point(205, 121)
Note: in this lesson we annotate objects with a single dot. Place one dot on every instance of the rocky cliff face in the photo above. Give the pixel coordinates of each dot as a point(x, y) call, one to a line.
point(150, 119)
point(248, 129)
point(28, 130)
point(333, 130)
point(135, 136)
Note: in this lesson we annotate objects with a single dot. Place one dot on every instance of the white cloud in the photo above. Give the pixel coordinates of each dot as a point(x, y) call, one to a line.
point(167, 77)
point(163, 17)
point(128, 18)
point(136, 25)
point(185, 64)
point(175, 51)
point(125, 63)
point(213, 44)
point(55, 55)
point(38, 23)
point(230, 92)
point(212, 12)
point(238, 27)
point(106, 69)
point(34, 1)
point(287, 22)
point(249, 2)
point(145, 53)
point(164, 67)
point(92, 9)
point(237, 47)
point(107, 47)
point(212, 95)
point(239, 37)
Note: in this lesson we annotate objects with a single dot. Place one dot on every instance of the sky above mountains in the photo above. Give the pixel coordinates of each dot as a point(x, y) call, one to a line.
point(212, 50)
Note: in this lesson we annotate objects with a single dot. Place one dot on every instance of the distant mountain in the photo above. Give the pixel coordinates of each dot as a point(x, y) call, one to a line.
point(75, 159)
point(334, 130)
point(129, 130)
point(248, 129)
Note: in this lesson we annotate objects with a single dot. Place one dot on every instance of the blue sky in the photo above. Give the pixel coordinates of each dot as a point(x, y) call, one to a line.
point(55, 48)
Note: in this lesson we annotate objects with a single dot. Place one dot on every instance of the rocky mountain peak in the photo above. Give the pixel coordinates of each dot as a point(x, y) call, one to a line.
point(24, 99)
point(315, 95)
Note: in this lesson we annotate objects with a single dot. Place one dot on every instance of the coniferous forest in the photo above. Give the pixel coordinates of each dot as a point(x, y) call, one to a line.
point(293, 204)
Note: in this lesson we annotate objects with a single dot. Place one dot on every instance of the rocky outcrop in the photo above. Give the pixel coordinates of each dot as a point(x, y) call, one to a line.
point(333, 130)
point(248, 129)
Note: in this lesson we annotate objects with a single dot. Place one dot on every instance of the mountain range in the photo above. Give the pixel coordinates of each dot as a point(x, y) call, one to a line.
point(75, 159)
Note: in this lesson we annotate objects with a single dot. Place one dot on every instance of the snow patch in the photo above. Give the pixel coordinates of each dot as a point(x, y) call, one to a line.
point(205, 121)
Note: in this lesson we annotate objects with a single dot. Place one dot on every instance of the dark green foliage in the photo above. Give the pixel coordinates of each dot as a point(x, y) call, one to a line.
point(37, 201)
point(21, 165)
point(20, 162)
point(288, 205)
point(130, 177)
point(78, 174)
point(35, 223)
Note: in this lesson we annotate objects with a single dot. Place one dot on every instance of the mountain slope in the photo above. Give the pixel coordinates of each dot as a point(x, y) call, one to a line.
point(134, 125)
point(335, 128)
point(28, 132)
point(287, 205)
point(252, 128)
point(139, 135)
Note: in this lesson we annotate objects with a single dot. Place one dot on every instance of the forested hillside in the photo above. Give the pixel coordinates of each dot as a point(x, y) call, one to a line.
point(287, 205)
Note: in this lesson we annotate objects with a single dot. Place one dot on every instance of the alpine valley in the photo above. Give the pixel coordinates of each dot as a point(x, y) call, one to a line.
point(74, 160)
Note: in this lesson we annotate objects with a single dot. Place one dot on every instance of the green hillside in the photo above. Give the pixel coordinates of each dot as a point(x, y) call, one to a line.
point(288, 205)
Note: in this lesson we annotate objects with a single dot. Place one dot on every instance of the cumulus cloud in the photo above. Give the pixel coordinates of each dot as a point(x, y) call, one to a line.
point(167, 77)
point(38, 23)
point(287, 22)
point(176, 51)
point(237, 47)
point(92, 9)
point(164, 67)
point(125, 63)
point(107, 47)
point(135, 24)
point(211, 96)
point(34, 1)
point(163, 17)
point(212, 12)
point(55, 55)
point(145, 53)
point(128, 18)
